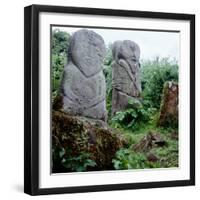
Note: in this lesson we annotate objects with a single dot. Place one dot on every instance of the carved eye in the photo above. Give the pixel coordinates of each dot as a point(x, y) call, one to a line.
point(134, 59)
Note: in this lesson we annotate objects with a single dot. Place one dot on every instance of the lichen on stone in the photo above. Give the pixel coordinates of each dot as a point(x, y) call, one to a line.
point(77, 137)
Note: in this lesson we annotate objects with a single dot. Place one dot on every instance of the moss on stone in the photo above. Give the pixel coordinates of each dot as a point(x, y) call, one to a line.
point(77, 137)
point(57, 103)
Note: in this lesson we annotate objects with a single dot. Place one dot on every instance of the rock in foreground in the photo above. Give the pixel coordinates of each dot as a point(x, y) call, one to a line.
point(152, 139)
point(80, 141)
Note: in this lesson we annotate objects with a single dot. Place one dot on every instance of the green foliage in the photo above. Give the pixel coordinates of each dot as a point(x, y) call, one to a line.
point(107, 70)
point(154, 74)
point(133, 116)
point(168, 154)
point(60, 44)
point(66, 161)
point(134, 122)
point(79, 163)
point(108, 58)
point(128, 159)
point(60, 41)
point(58, 62)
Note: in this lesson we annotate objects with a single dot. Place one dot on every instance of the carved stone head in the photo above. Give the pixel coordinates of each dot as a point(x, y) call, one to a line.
point(86, 51)
point(127, 51)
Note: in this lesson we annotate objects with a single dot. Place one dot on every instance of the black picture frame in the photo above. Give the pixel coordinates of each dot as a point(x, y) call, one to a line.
point(31, 98)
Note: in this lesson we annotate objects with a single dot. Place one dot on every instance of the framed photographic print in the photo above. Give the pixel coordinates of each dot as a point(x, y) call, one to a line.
point(109, 99)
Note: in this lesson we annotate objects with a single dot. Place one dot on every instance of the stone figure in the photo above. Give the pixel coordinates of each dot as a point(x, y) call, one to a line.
point(126, 74)
point(83, 87)
point(169, 105)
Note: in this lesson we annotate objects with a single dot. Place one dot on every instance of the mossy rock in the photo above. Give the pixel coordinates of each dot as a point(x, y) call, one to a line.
point(57, 102)
point(77, 136)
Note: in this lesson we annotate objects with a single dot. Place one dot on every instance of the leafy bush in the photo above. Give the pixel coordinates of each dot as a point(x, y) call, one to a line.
point(64, 161)
point(154, 74)
point(60, 41)
point(60, 44)
point(127, 159)
point(58, 62)
point(133, 116)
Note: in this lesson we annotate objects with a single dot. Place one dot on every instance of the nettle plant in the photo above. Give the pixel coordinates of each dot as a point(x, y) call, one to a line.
point(135, 114)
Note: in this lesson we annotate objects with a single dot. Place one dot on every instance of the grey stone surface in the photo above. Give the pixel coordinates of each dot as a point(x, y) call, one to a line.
point(83, 84)
point(86, 51)
point(126, 74)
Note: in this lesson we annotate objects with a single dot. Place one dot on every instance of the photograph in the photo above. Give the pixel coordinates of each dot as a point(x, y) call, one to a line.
point(109, 99)
point(114, 98)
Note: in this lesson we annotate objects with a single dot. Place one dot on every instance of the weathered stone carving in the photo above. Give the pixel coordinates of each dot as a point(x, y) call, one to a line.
point(169, 105)
point(83, 84)
point(126, 74)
